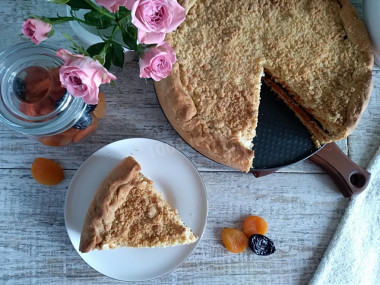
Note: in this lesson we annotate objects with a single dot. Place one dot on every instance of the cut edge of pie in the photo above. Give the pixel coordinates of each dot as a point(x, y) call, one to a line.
point(181, 111)
point(127, 211)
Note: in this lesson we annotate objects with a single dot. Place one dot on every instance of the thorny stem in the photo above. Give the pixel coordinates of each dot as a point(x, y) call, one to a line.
point(61, 20)
point(109, 40)
point(100, 10)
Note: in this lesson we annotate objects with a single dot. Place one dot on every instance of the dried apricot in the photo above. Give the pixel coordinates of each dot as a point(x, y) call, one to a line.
point(81, 134)
point(46, 171)
point(43, 107)
point(234, 240)
point(35, 92)
point(37, 83)
point(28, 109)
point(255, 225)
point(100, 110)
point(69, 132)
point(57, 140)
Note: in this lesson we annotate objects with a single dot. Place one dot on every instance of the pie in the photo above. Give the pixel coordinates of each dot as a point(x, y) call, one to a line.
point(127, 210)
point(314, 54)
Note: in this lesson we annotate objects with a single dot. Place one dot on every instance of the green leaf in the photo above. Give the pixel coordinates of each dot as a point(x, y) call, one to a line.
point(59, 1)
point(123, 12)
point(95, 49)
point(129, 36)
point(99, 58)
point(94, 18)
point(108, 62)
point(78, 4)
point(95, 52)
point(131, 29)
point(129, 41)
point(117, 54)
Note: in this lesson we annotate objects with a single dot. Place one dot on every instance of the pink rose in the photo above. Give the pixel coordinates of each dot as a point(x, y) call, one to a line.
point(129, 4)
point(157, 62)
point(36, 30)
point(113, 5)
point(155, 18)
point(82, 76)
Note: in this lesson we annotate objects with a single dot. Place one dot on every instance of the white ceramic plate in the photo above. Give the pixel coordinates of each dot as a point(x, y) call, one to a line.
point(174, 176)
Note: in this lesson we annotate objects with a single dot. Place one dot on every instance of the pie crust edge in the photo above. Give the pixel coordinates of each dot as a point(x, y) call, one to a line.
point(180, 110)
point(102, 209)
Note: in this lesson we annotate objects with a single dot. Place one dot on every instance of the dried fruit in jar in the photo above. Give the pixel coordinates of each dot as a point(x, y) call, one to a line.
point(90, 108)
point(100, 110)
point(84, 121)
point(261, 245)
point(234, 240)
point(56, 140)
point(57, 91)
point(33, 83)
point(46, 171)
point(255, 225)
point(81, 134)
point(62, 139)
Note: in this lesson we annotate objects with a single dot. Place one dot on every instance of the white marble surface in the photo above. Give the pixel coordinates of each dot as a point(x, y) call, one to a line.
point(300, 202)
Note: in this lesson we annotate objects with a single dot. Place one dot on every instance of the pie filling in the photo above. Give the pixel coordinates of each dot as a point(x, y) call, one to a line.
point(308, 119)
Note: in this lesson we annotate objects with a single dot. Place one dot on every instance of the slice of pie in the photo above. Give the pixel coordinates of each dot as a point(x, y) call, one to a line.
point(127, 211)
point(314, 54)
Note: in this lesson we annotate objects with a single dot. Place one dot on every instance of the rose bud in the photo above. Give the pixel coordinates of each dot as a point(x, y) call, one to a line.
point(36, 30)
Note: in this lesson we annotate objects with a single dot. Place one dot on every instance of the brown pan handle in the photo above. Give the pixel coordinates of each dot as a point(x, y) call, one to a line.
point(350, 178)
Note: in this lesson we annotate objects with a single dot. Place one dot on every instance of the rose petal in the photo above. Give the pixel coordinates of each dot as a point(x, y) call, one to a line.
point(178, 16)
point(150, 38)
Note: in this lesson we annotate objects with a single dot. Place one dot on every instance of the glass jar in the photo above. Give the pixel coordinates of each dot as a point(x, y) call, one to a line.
point(32, 101)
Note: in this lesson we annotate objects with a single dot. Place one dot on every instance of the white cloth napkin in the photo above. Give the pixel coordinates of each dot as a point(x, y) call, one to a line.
point(353, 255)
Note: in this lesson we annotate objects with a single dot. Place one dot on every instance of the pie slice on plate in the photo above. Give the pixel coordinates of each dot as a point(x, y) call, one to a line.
point(127, 211)
point(316, 55)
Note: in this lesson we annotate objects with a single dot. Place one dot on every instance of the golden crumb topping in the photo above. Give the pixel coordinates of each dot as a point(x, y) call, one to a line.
point(127, 210)
point(145, 219)
point(223, 46)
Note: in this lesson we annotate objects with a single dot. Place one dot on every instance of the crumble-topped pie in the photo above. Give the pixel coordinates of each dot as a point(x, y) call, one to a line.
point(127, 210)
point(315, 55)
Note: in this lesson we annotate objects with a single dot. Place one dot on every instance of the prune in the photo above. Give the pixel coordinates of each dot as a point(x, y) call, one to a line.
point(261, 245)
point(90, 108)
point(19, 88)
point(84, 121)
point(59, 102)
